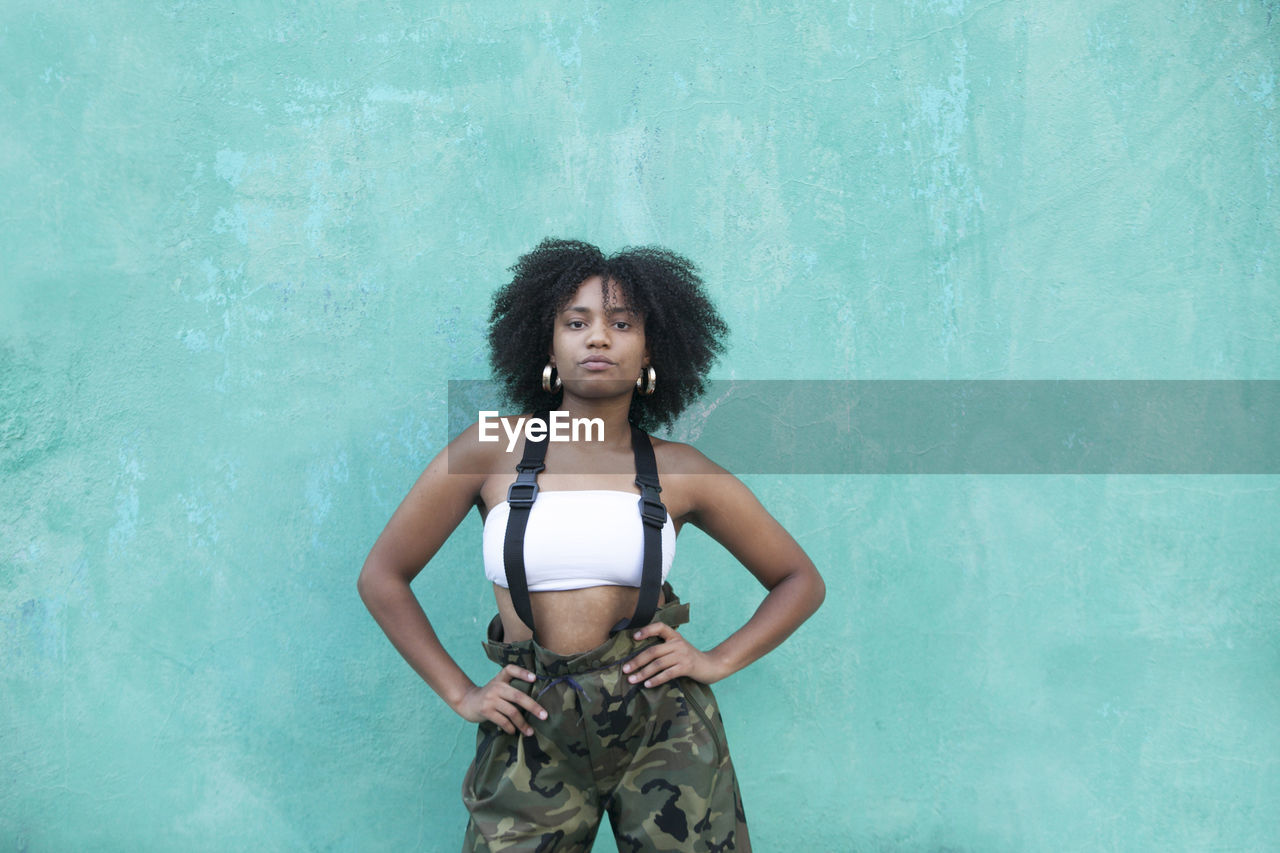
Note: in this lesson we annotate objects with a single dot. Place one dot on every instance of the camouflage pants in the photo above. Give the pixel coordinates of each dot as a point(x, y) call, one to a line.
point(654, 759)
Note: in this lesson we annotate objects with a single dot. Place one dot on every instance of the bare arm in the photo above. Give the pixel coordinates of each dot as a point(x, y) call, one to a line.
point(433, 509)
point(727, 511)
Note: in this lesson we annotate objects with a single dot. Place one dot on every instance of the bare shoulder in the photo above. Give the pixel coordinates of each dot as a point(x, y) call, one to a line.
point(722, 506)
point(477, 449)
point(435, 505)
point(675, 458)
point(691, 483)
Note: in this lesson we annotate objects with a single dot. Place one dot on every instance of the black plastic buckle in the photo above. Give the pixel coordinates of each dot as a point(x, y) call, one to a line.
point(523, 501)
point(648, 484)
point(652, 511)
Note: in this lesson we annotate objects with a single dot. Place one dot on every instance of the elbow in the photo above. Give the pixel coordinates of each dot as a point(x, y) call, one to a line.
point(367, 584)
point(380, 582)
point(817, 591)
point(810, 588)
point(805, 588)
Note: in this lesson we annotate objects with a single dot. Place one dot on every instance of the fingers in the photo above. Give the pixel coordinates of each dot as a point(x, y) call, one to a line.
point(503, 703)
point(639, 661)
point(522, 699)
point(656, 629)
point(508, 718)
point(646, 658)
point(666, 633)
point(514, 671)
point(660, 662)
point(668, 663)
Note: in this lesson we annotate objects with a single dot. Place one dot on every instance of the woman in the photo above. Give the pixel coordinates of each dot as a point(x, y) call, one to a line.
point(600, 704)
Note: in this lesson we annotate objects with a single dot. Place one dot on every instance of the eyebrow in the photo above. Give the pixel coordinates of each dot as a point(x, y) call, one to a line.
point(585, 310)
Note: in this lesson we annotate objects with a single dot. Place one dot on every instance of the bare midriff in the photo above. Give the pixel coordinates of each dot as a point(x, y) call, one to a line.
point(571, 620)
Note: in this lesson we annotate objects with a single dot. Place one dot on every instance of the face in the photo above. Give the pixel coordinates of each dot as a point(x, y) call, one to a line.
point(598, 351)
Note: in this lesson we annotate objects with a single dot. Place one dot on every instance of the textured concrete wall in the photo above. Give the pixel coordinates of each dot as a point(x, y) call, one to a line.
point(244, 245)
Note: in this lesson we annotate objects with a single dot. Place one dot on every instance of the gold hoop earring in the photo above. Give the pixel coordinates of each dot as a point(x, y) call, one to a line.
point(645, 390)
point(547, 385)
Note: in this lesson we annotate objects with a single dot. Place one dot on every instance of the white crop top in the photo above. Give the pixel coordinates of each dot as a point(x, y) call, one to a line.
point(577, 539)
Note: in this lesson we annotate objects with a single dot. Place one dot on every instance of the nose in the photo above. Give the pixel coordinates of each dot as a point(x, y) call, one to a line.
point(599, 335)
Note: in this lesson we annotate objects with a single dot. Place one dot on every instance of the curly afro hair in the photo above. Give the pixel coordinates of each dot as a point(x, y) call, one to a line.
point(682, 329)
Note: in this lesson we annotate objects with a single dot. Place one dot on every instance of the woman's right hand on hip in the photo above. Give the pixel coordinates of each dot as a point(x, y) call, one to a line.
point(501, 703)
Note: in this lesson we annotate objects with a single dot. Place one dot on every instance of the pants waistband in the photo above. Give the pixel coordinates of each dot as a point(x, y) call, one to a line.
point(619, 646)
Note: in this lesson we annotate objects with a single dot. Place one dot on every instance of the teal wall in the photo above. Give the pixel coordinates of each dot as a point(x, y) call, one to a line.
point(243, 247)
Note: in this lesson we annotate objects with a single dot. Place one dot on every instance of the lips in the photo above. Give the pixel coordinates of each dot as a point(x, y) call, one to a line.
point(596, 361)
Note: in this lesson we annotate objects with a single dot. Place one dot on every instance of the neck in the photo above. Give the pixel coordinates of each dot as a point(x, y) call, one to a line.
point(613, 411)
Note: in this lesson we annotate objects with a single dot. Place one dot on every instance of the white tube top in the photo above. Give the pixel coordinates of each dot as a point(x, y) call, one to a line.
point(577, 539)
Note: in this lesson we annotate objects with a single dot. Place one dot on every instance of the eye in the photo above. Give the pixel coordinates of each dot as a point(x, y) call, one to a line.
point(622, 324)
point(576, 324)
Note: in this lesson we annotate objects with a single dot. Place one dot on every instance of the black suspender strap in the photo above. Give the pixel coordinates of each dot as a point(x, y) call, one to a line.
point(520, 497)
point(653, 515)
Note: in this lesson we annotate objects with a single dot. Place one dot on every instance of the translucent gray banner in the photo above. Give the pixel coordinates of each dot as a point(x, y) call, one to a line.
point(968, 426)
